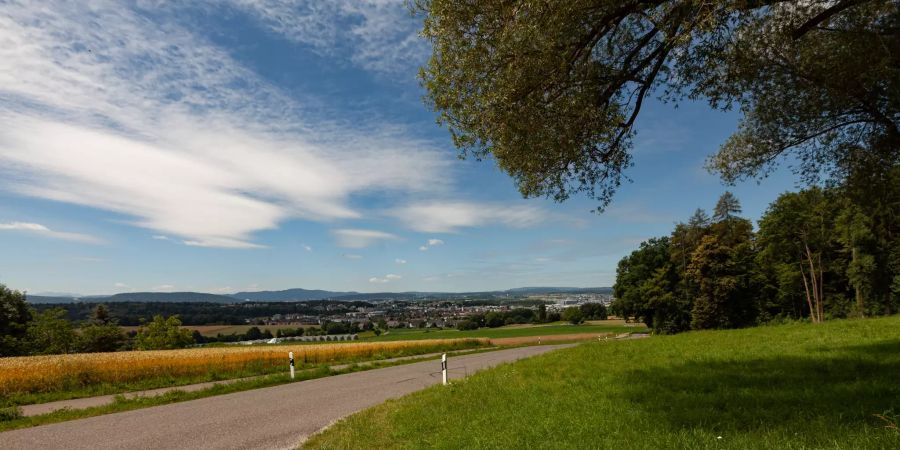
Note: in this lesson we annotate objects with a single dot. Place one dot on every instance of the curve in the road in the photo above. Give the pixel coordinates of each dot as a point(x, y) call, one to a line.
point(276, 417)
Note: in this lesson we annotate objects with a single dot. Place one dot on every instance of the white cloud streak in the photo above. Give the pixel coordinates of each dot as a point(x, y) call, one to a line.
point(450, 217)
point(400, 261)
point(355, 238)
point(387, 279)
point(105, 109)
point(44, 231)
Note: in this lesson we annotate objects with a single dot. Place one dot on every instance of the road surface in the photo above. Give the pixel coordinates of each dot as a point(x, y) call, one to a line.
point(270, 418)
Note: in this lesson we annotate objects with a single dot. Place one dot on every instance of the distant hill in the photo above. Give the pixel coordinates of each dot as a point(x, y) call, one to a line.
point(300, 295)
point(49, 299)
point(289, 295)
point(163, 297)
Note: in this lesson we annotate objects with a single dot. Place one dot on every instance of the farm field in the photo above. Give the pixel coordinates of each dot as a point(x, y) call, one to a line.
point(512, 331)
point(832, 385)
point(38, 379)
point(213, 330)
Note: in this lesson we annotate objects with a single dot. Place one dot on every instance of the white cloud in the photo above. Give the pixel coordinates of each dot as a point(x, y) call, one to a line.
point(175, 134)
point(307, 248)
point(120, 285)
point(378, 35)
point(449, 217)
point(433, 242)
point(351, 256)
point(163, 288)
point(41, 230)
point(387, 279)
point(160, 237)
point(400, 261)
point(423, 248)
point(355, 238)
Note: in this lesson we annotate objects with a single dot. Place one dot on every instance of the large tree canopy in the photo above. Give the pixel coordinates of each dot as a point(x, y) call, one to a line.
point(553, 89)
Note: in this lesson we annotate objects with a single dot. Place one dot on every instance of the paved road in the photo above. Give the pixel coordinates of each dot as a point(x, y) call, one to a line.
point(88, 402)
point(276, 417)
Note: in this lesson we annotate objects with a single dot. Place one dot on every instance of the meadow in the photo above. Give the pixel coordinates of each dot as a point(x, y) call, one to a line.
point(797, 386)
point(512, 331)
point(35, 379)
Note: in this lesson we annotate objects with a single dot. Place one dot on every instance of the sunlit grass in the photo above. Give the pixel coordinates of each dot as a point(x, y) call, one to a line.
point(799, 386)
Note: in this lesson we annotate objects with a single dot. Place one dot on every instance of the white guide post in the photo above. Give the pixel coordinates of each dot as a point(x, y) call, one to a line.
point(291, 356)
point(444, 368)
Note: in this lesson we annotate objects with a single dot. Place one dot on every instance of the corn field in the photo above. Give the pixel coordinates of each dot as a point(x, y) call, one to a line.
point(53, 373)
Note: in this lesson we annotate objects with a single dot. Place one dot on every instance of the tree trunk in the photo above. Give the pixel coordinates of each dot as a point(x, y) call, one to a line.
point(860, 306)
point(809, 302)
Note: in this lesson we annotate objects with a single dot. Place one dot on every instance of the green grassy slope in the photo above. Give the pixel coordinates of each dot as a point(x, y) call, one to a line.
point(793, 386)
point(504, 332)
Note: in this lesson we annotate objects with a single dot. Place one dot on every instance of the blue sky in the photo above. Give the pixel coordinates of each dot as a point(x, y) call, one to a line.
point(247, 145)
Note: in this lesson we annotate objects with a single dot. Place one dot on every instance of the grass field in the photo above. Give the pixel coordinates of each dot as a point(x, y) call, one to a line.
point(612, 326)
point(787, 387)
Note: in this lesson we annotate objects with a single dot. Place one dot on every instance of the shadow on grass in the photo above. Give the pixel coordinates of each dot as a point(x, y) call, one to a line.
point(847, 386)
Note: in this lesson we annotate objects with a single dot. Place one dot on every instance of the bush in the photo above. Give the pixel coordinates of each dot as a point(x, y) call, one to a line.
point(10, 413)
point(573, 315)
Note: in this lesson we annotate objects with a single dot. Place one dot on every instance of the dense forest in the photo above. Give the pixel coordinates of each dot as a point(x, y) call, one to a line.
point(817, 254)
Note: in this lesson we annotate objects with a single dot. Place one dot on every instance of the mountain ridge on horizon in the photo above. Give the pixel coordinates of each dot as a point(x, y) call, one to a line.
point(291, 295)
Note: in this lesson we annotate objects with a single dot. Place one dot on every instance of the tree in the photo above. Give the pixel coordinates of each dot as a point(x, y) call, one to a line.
point(14, 318)
point(797, 230)
point(163, 333)
point(101, 333)
point(253, 334)
point(493, 320)
point(573, 315)
point(594, 311)
point(727, 207)
point(50, 332)
point(552, 90)
point(542, 313)
point(632, 272)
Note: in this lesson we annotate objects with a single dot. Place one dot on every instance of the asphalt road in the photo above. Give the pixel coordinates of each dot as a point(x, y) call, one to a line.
point(270, 418)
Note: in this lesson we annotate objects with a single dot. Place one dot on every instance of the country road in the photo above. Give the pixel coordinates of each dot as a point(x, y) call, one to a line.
point(270, 418)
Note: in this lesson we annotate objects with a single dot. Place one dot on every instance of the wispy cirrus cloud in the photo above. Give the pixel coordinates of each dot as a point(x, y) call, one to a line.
point(44, 231)
point(175, 134)
point(377, 35)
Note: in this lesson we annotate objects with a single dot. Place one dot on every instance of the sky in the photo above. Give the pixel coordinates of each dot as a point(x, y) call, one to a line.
point(225, 146)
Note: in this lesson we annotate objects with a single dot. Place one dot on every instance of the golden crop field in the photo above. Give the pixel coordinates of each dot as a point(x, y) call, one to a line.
point(34, 374)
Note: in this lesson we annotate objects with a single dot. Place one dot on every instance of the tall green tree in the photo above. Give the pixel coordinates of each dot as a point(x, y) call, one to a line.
point(552, 90)
point(51, 332)
point(797, 233)
point(101, 333)
point(14, 318)
point(163, 333)
point(631, 274)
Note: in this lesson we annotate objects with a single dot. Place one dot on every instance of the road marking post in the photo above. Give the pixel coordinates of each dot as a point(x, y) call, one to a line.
point(291, 356)
point(444, 368)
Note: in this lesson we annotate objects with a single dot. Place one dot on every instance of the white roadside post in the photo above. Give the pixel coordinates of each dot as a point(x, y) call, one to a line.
point(444, 368)
point(291, 356)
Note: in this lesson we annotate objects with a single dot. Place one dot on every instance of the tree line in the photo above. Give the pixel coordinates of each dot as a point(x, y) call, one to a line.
point(817, 254)
point(494, 319)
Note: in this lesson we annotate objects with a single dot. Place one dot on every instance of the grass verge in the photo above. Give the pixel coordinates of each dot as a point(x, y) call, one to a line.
point(797, 386)
point(504, 332)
